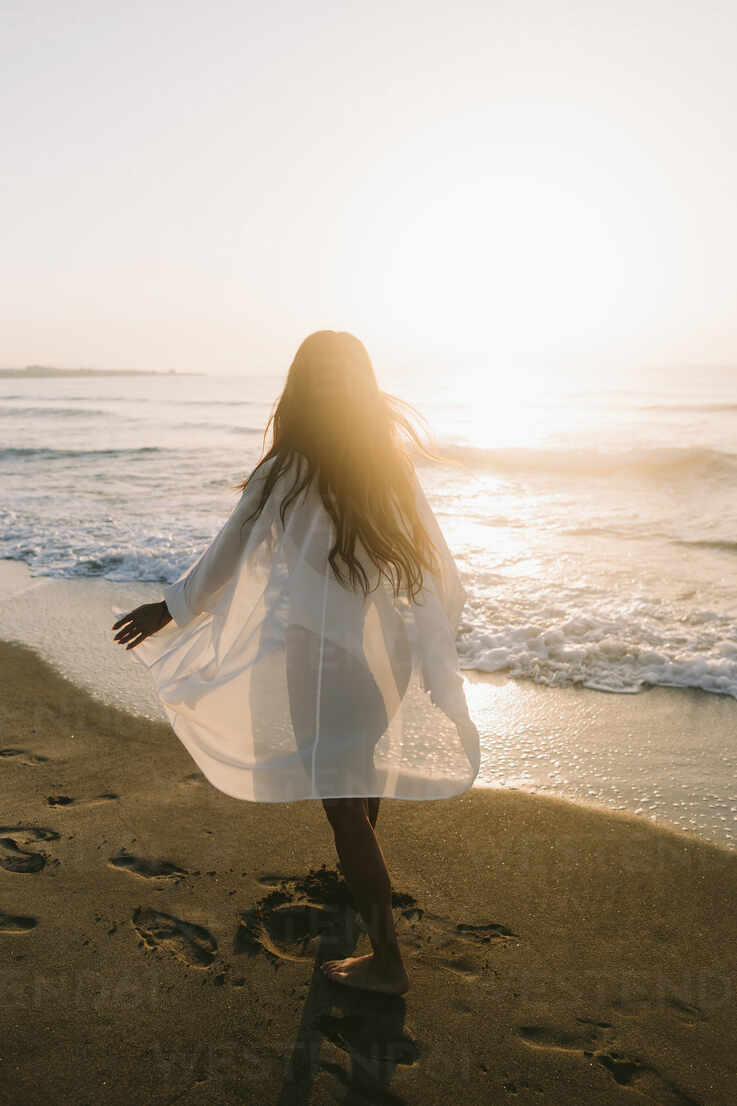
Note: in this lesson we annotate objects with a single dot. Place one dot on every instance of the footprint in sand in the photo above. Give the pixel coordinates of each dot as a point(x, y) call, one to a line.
point(65, 800)
point(192, 944)
point(24, 861)
point(148, 869)
point(285, 924)
point(17, 923)
point(22, 756)
point(670, 1004)
point(457, 947)
point(627, 1071)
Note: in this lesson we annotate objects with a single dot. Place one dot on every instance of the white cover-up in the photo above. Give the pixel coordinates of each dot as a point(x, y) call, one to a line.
point(283, 684)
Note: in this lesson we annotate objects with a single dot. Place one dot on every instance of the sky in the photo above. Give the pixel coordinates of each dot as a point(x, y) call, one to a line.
point(199, 186)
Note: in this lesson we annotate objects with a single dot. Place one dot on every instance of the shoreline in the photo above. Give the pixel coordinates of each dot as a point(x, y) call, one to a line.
point(555, 951)
point(21, 658)
point(663, 754)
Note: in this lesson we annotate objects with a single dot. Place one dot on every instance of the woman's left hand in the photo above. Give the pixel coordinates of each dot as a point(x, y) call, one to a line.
point(141, 623)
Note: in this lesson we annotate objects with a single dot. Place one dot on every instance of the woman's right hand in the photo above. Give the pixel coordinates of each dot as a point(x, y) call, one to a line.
point(140, 623)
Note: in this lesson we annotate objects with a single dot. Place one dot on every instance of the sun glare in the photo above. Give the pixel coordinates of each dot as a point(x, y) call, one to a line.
point(516, 232)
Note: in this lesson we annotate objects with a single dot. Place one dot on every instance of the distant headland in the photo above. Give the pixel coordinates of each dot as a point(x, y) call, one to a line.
point(46, 370)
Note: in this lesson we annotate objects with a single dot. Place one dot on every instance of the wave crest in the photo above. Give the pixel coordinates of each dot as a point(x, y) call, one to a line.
point(655, 463)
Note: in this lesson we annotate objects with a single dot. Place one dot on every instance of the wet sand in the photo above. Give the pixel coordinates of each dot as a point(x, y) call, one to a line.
point(160, 940)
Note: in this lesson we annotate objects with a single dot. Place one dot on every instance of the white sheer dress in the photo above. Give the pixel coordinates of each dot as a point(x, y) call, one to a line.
point(283, 684)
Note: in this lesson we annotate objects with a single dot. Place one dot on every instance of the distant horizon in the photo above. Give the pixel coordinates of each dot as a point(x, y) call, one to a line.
point(38, 371)
point(57, 370)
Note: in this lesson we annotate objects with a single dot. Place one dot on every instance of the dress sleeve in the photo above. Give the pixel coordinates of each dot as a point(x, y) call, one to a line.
point(197, 588)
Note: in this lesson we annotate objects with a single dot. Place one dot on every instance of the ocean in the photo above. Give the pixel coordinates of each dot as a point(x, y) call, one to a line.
point(595, 532)
point(593, 517)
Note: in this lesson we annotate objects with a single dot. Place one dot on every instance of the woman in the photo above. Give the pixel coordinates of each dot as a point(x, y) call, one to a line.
point(318, 629)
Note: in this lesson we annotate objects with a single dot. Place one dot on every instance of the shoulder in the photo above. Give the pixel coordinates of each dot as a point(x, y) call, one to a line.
point(274, 473)
point(262, 470)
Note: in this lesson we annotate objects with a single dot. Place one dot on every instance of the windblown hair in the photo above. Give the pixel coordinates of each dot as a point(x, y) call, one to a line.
point(350, 433)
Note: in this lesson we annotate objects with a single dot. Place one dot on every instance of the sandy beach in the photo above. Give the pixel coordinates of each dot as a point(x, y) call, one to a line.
point(161, 940)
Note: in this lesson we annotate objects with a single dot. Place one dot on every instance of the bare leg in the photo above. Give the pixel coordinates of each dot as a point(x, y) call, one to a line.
point(371, 806)
point(364, 868)
point(372, 809)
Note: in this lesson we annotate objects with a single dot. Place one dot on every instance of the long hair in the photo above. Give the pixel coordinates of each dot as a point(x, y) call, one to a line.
point(350, 433)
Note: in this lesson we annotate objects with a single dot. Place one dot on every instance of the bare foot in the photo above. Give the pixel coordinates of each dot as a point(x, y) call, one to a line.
point(364, 972)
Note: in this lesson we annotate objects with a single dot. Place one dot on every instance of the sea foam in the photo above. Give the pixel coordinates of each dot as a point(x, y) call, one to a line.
point(619, 651)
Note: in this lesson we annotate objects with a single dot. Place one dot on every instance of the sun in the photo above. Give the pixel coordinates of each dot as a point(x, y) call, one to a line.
point(515, 234)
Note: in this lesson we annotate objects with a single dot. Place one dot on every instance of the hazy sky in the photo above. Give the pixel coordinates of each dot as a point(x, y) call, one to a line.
point(200, 186)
